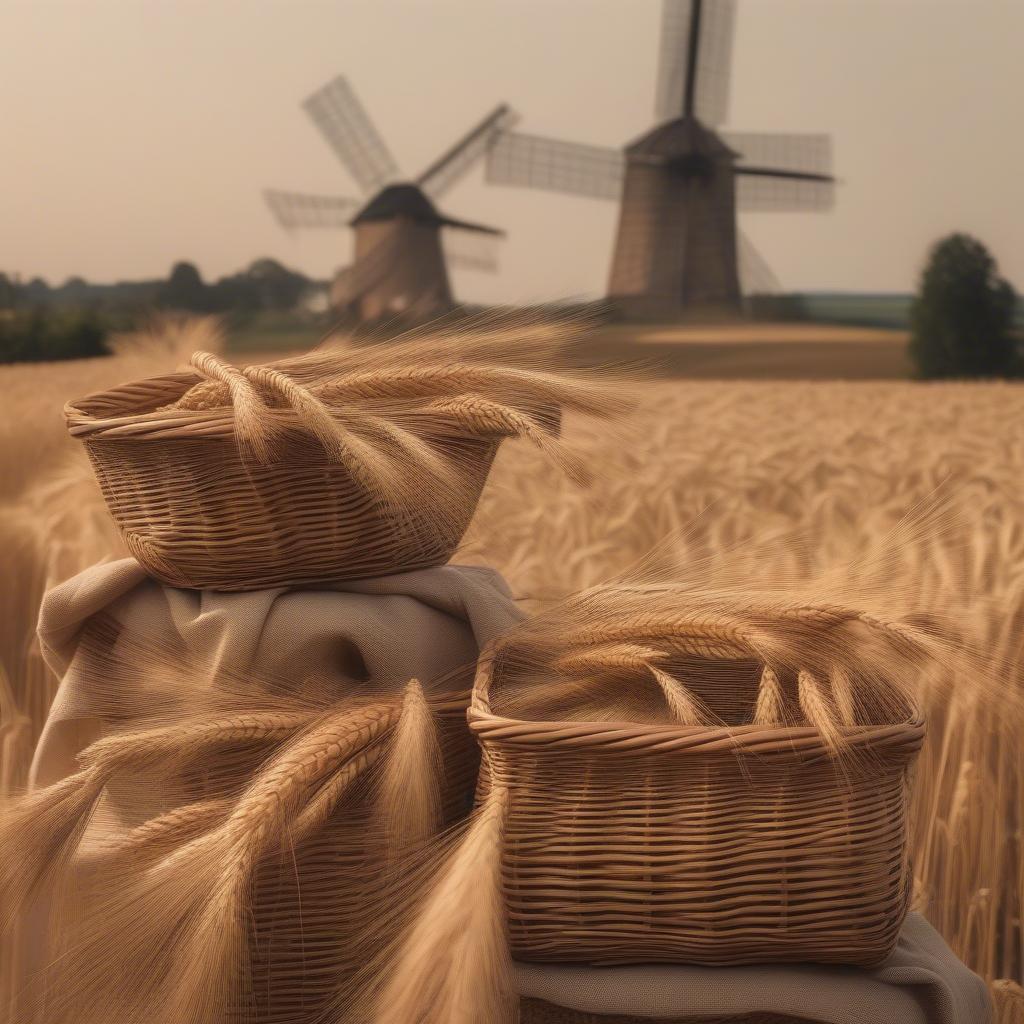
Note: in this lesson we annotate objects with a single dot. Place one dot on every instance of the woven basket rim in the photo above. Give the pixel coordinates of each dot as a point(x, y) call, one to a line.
point(169, 424)
point(800, 742)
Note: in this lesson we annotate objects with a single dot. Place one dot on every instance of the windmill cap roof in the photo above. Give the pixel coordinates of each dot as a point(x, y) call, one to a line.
point(685, 136)
point(411, 202)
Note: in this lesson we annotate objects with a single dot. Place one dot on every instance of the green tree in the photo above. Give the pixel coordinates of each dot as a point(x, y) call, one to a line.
point(184, 290)
point(961, 320)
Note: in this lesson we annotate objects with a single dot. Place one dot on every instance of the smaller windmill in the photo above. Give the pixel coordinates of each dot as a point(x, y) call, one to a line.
point(403, 243)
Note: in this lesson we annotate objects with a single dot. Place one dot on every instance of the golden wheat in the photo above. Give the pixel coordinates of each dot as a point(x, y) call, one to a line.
point(742, 482)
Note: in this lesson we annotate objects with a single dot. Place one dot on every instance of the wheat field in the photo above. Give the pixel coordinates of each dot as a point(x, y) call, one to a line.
point(785, 478)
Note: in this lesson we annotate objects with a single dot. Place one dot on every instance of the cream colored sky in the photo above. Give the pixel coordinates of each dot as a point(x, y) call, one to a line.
point(138, 132)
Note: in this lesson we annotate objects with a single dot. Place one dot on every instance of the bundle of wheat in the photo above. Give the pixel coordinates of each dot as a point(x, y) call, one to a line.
point(332, 465)
point(217, 855)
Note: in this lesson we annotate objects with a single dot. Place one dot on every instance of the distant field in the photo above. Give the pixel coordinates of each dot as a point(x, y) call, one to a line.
point(759, 351)
point(729, 351)
point(879, 309)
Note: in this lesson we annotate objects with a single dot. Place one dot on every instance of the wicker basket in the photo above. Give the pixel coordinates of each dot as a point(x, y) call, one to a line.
point(196, 513)
point(718, 845)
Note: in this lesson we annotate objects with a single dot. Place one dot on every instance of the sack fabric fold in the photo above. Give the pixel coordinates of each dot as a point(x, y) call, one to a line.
point(922, 982)
point(375, 633)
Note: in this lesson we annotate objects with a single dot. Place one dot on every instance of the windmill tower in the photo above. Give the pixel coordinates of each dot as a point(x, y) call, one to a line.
point(403, 243)
point(679, 186)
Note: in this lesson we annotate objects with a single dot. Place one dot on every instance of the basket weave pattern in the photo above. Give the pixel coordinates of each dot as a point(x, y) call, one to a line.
point(197, 514)
point(716, 845)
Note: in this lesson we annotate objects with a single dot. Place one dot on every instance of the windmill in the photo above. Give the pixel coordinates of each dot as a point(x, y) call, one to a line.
point(679, 186)
point(403, 243)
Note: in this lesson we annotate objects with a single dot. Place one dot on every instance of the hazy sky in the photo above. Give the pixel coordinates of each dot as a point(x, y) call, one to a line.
point(139, 132)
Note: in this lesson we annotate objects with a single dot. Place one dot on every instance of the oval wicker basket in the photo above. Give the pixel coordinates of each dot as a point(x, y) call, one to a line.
point(198, 514)
point(718, 845)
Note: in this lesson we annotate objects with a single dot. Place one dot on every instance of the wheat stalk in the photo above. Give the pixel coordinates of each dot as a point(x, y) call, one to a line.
point(454, 966)
point(480, 415)
point(535, 386)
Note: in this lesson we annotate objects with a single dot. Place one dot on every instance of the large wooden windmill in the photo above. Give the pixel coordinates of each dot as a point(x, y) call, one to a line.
point(403, 243)
point(679, 186)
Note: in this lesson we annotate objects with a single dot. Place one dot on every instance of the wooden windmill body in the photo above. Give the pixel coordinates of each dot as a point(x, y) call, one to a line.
point(403, 244)
point(677, 248)
point(676, 242)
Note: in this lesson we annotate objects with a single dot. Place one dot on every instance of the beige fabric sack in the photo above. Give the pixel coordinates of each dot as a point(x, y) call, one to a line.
point(922, 982)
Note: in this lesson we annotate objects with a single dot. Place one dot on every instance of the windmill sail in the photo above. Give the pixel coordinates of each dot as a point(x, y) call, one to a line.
point(470, 250)
point(299, 210)
point(444, 172)
point(783, 172)
point(695, 59)
point(756, 276)
point(531, 161)
point(782, 192)
point(337, 112)
point(806, 152)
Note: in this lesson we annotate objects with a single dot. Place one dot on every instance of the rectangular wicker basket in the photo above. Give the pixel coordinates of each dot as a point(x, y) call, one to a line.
point(719, 845)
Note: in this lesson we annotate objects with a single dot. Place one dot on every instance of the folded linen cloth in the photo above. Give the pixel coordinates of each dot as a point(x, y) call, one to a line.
point(922, 982)
point(375, 634)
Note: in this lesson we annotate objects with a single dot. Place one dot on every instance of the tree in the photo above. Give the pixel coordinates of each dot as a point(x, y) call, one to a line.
point(184, 290)
point(961, 320)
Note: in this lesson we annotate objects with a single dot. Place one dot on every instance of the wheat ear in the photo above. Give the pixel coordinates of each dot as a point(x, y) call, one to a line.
point(481, 415)
point(1009, 1001)
point(39, 832)
point(410, 803)
point(843, 694)
point(770, 708)
point(685, 709)
point(182, 824)
point(211, 955)
point(815, 707)
point(38, 835)
point(454, 967)
point(254, 429)
point(492, 380)
point(177, 743)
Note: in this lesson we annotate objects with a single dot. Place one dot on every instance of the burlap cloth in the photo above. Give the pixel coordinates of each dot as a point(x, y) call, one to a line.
point(426, 624)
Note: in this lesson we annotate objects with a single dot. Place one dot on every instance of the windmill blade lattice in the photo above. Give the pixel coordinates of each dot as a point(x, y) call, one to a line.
point(782, 172)
point(470, 250)
point(532, 161)
point(810, 153)
point(756, 276)
point(299, 210)
point(337, 112)
point(695, 59)
point(455, 162)
point(782, 192)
